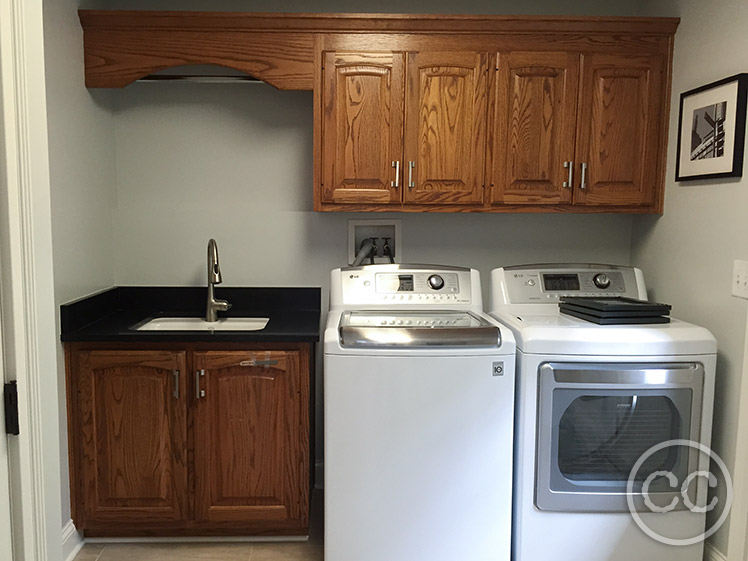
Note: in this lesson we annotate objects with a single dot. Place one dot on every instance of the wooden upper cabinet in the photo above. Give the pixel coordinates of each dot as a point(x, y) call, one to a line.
point(535, 126)
point(619, 141)
point(445, 130)
point(252, 438)
point(134, 443)
point(362, 127)
point(438, 113)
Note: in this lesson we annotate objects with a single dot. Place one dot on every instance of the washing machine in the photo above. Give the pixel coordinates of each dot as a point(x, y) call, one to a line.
point(418, 417)
point(591, 401)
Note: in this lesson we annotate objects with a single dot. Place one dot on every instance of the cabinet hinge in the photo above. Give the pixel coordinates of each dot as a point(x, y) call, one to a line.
point(11, 408)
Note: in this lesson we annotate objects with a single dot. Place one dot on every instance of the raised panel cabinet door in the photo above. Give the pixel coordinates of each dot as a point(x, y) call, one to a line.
point(536, 105)
point(445, 129)
point(362, 127)
point(619, 142)
point(252, 438)
point(134, 442)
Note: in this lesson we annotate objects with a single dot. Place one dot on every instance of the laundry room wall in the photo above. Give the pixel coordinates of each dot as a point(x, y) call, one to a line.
point(687, 254)
point(234, 162)
point(143, 176)
point(82, 181)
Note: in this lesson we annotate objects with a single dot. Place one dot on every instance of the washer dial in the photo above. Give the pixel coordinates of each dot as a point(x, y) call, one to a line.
point(436, 282)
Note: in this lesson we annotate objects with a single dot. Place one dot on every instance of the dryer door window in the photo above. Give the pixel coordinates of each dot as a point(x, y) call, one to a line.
point(601, 435)
point(596, 421)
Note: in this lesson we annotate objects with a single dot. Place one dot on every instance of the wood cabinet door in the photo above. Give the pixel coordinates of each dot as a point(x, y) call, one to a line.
point(536, 105)
point(251, 440)
point(619, 144)
point(134, 435)
point(445, 129)
point(362, 127)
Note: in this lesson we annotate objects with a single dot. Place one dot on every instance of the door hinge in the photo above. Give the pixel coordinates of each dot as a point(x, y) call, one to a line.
point(11, 408)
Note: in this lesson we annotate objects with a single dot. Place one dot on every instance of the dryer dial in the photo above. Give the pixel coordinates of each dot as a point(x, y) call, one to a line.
point(601, 280)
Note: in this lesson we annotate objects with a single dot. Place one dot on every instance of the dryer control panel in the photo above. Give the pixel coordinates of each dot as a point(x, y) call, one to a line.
point(527, 284)
point(403, 285)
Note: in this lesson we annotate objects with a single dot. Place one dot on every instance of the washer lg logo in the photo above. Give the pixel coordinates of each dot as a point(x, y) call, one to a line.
point(709, 478)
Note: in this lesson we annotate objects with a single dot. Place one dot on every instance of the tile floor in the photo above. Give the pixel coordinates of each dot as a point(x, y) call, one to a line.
point(267, 551)
point(310, 550)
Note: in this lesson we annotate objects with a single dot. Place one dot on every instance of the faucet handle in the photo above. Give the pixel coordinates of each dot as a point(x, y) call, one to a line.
point(222, 305)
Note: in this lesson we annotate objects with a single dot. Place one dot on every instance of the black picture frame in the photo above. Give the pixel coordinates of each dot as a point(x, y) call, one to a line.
point(721, 107)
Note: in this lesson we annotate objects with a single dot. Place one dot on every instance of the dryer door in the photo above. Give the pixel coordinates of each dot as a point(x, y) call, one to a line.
point(595, 421)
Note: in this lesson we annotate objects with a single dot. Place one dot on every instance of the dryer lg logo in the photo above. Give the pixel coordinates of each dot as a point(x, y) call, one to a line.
point(702, 480)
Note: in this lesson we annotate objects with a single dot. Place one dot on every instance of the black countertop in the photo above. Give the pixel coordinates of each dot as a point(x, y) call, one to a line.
point(111, 316)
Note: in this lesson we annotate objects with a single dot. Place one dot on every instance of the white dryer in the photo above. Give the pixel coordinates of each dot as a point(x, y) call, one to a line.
point(419, 409)
point(591, 399)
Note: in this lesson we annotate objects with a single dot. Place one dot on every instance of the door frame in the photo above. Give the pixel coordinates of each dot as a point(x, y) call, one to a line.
point(7, 524)
point(26, 283)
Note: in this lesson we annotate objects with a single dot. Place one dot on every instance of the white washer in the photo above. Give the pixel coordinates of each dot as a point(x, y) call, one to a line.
point(590, 400)
point(419, 409)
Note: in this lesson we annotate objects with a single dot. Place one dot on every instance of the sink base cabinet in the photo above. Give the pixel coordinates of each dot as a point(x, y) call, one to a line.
point(133, 438)
point(250, 458)
point(186, 440)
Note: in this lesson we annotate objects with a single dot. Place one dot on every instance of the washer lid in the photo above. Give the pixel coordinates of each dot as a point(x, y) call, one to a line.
point(415, 328)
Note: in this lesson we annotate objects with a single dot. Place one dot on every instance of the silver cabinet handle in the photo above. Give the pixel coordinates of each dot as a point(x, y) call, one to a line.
point(583, 185)
point(176, 384)
point(198, 392)
point(570, 167)
point(254, 362)
point(396, 183)
point(411, 165)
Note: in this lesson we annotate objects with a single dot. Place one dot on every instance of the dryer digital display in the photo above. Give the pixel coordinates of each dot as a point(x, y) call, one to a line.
point(561, 282)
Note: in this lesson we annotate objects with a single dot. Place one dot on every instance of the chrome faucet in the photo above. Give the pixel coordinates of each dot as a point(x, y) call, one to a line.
point(214, 278)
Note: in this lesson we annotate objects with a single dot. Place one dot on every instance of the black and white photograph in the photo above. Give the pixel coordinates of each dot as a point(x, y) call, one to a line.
point(711, 130)
point(708, 132)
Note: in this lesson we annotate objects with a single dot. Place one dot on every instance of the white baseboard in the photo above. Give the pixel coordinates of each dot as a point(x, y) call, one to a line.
point(319, 475)
point(72, 541)
point(711, 553)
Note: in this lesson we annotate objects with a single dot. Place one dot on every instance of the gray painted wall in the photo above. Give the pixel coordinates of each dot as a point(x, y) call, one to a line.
point(81, 158)
point(143, 176)
point(687, 254)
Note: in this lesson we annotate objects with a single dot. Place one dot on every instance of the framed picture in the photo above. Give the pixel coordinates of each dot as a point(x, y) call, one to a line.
point(711, 130)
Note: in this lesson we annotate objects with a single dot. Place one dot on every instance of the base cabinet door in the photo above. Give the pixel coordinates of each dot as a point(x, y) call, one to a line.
point(618, 140)
point(134, 436)
point(251, 439)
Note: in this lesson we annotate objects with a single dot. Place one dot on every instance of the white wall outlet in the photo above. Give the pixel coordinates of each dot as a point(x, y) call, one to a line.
point(740, 279)
point(361, 230)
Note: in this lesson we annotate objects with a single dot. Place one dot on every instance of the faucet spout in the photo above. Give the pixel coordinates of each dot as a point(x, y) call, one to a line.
point(214, 269)
point(214, 277)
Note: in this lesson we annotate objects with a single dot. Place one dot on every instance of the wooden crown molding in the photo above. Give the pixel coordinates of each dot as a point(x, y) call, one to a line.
point(376, 23)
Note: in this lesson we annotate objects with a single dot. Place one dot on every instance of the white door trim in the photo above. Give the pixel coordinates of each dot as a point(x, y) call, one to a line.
point(26, 282)
point(6, 518)
point(737, 547)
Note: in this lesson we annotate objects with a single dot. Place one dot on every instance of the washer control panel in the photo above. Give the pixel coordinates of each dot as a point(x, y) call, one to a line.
point(405, 286)
point(539, 284)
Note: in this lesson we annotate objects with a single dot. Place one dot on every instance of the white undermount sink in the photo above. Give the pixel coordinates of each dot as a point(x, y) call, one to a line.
point(199, 324)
